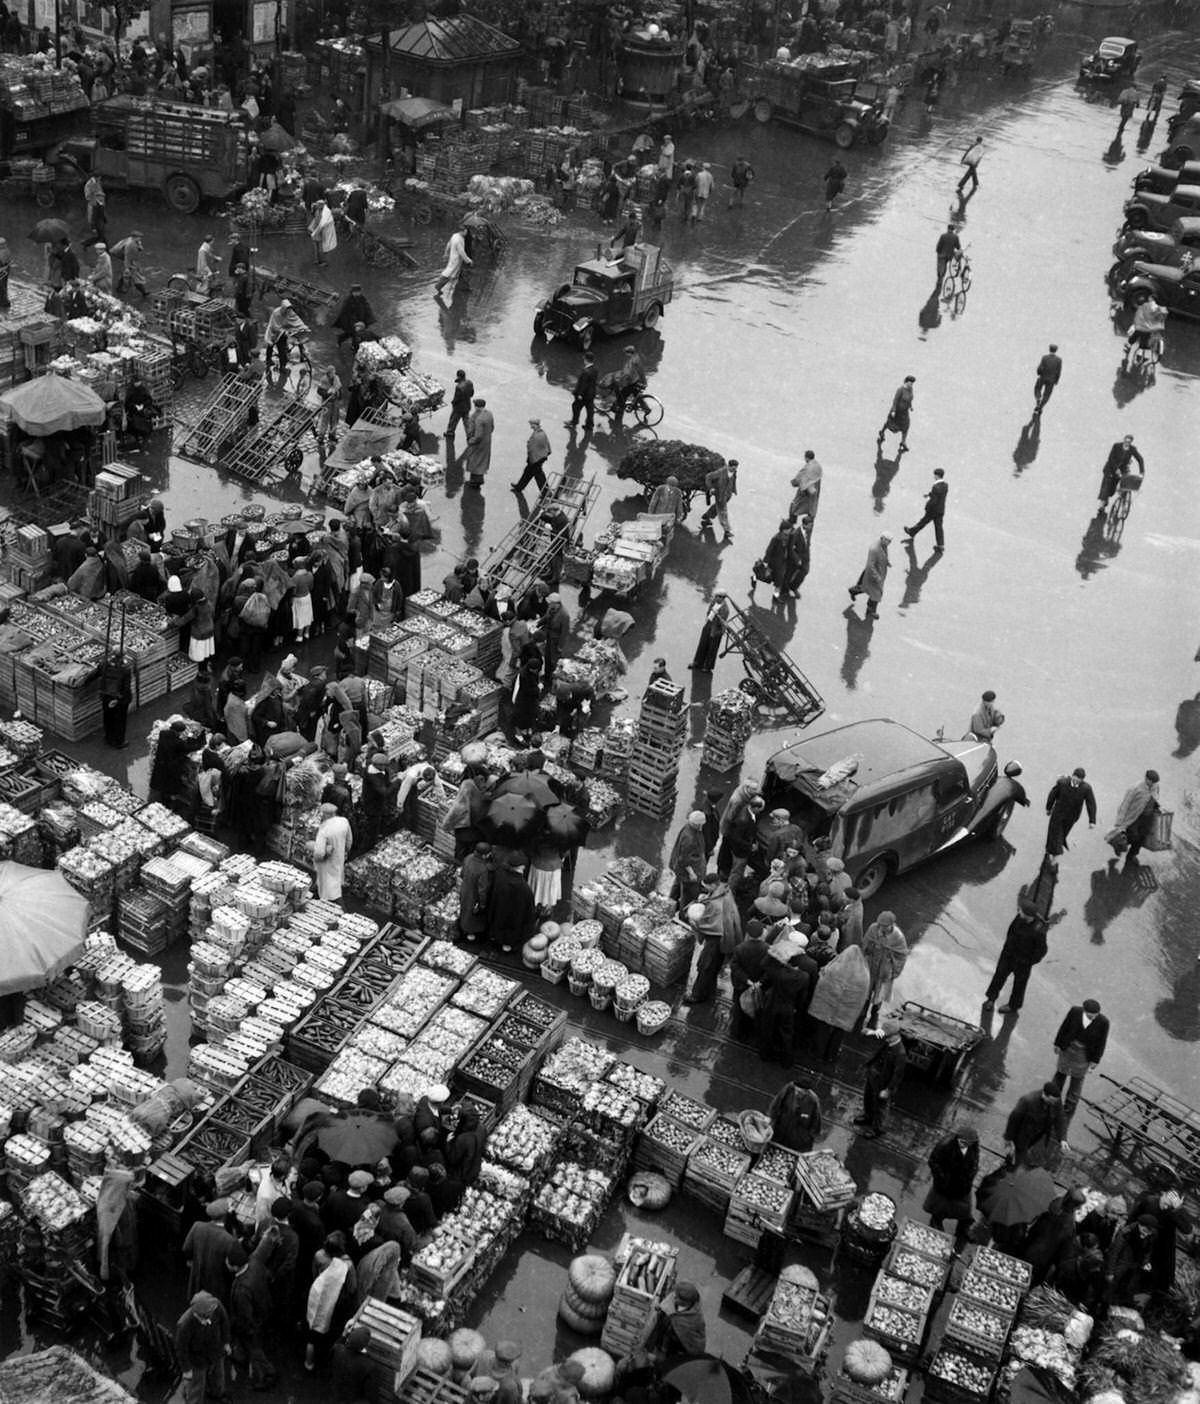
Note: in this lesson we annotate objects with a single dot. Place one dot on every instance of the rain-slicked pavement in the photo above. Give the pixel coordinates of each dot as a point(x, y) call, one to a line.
point(790, 329)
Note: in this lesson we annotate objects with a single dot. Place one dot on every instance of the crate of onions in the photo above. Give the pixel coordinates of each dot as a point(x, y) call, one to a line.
point(958, 1376)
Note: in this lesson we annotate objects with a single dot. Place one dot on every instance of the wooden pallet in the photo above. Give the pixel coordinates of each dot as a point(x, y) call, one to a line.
point(750, 1292)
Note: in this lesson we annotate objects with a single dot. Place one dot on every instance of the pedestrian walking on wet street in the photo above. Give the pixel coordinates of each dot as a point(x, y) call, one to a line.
point(457, 259)
point(835, 182)
point(1049, 373)
point(1135, 817)
point(460, 402)
point(537, 451)
point(971, 158)
point(478, 456)
point(741, 174)
point(935, 510)
point(689, 859)
point(720, 485)
point(947, 246)
point(900, 415)
point(884, 1074)
point(807, 483)
point(873, 576)
point(1068, 797)
point(1080, 1042)
point(1128, 101)
point(1035, 1128)
point(583, 397)
point(953, 1164)
point(1116, 465)
point(1024, 947)
point(704, 186)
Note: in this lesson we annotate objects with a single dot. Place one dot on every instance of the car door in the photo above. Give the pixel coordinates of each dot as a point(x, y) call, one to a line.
point(1185, 202)
point(1187, 295)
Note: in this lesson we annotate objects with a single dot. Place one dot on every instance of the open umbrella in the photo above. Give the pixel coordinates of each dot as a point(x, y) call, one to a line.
point(275, 138)
point(43, 921)
point(565, 825)
point(51, 404)
point(49, 231)
point(1020, 1197)
point(512, 818)
point(294, 527)
point(705, 1379)
point(530, 784)
point(358, 1139)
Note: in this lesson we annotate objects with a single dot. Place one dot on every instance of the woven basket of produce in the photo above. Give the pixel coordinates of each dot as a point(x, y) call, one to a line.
point(652, 1016)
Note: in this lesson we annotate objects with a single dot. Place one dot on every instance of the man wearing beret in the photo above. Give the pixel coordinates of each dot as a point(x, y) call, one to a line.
point(885, 1071)
point(682, 1331)
point(201, 1345)
point(206, 1247)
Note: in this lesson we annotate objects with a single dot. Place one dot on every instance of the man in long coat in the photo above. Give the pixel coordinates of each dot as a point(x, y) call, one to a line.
point(1068, 797)
point(330, 847)
point(474, 888)
point(874, 574)
point(510, 907)
point(478, 459)
point(689, 859)
point(206, 1247)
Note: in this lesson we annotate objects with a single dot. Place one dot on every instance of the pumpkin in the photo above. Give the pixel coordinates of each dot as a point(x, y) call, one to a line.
point(867, 1362)
point(581, 1325)
point(592, 1278)
point(599, 1370)
point(533, 952)
point(565, 928)
point(649, 1190)
point(434, 1355)
point(550, 930)
point(800, 1276)
point(465, 1347)
point(589, 1311)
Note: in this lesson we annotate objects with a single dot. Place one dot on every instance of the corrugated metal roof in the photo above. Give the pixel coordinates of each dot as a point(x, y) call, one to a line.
point(456, 39)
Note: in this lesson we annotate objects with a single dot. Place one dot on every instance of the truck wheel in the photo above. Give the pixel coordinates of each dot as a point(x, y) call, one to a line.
point(651, 316)
point(587, 336)
point(877, 134)
point(872, 877)
point(763, 111)
point(846, 135)
point(182, 194)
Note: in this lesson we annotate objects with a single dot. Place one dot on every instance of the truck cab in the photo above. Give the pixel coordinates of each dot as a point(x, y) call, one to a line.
point(608, 295)
point(818, 95)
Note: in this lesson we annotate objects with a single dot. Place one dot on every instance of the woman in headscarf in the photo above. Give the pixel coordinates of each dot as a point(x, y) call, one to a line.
point(358, 505)
point(842, 989)
point(322, 232)
point(379, 1272)
point(203, 628)
point(267, 718)
point(464, 1150)
point(886, 951)
point(177, 603)
point(302, 604)
point(387, 600)
point(1135, 818)
point(335, 545)
point(88, 580)
point(331, 1299)
point(416, 513)
point(363, 608)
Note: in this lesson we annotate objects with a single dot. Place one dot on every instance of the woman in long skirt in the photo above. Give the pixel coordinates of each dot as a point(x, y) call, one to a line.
point(545, 877)
point(527, 697)
point(711, 635)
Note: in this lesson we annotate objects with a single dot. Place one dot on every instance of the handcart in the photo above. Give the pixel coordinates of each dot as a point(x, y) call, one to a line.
point(778, 687)
point(203, 325)
point(1146, 1127)
point(43, 183)
point(379, 250)
point(361, 440)
point(312, 303)
point(937, 1043)
point(524, 554)
point(423, 205)
point(223, 420)
point(275, 444)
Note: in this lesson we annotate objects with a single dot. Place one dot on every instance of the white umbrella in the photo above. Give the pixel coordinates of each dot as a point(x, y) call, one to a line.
point(43, 921)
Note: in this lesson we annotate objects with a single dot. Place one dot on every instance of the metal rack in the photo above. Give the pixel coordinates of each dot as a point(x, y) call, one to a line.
point(772, 679)
point(274, 447)
point(524, 553)
point(1146, 1126)
point(222, 420)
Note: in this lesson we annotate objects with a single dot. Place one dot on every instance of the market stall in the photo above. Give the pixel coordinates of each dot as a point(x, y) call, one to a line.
point(50, 426)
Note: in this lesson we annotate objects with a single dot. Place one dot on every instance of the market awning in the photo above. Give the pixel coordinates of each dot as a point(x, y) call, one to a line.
point(52, 403)
point(418, 112)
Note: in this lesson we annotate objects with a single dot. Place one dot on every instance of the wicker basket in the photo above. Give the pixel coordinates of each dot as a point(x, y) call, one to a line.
point(651, 1020)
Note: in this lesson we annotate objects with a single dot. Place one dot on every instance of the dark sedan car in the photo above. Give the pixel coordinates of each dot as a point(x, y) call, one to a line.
point(1176, 289)
point(1115, 58)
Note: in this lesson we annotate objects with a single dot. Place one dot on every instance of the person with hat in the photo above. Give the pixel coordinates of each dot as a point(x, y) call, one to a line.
point(201, 1345)
point(477, 458)
point(345, 1207)
point(249, 1316)
point(505, 1373)
point(465, 1148)
point(330, 1298)
point(309, 1228)
point(987, 718)
point(553, 633)
point(1024, 947)
point(796, 1117)
point(1135, 817)
point(886, 951)
point(681, 1331)
point(873, 576)
point(884, 1074)
point(353, 1369)
point(206, 1249)
point(1052, 1235)
point(537, 451)
point(331, 844)
point(720, 487)
point(278, 1248)
point(709, 643)
point(688, 861)
point(1080, 1043)
point(1127, 1268)
point(786, 991)
point(394, 1225)
point(512, 911)
point(419, 1207)
point(718, 929)
point(1167, 1207)
point(102, 270)
point(1068, 797)
point(1035, 1130)
point(899, 415)
point(782, 834)
point(953, 1164)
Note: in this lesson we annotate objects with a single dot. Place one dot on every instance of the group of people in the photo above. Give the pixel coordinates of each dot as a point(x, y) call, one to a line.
point(328, 1233)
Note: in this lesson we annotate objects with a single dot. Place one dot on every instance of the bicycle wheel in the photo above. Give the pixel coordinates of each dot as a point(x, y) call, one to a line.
point(964, 276)
point(948, 286)
point(649, 411)
point(303, 376)
point(960, 301)
point(1121, 510)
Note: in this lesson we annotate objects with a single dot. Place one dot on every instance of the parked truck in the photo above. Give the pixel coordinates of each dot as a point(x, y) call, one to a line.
point(189, 153)
point(818, 95)
point(39, 106)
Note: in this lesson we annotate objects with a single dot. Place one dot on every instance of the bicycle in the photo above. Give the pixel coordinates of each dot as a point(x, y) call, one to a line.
point(957, 281)
point(1145, 353)
point(296, 375)
point(1123, 498)
point(190, 282)
point(646, 409)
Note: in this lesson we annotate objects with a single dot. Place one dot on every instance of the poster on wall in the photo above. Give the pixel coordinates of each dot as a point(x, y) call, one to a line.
point(193, 28)
point(264, 20)
point(43, 14)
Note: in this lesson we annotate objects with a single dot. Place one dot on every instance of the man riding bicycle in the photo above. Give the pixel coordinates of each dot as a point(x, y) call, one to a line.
point(630, 381)
point(283, 323)
point(1146, 333)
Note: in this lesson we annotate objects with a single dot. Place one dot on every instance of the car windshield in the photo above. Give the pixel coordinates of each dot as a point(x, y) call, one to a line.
point(1113, 48)
point(588, 278)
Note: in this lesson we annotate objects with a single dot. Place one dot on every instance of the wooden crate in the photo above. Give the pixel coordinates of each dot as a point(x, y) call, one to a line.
point(987, 1339)
point(902, 1346)
point(943, 1391)
point(395, 1335)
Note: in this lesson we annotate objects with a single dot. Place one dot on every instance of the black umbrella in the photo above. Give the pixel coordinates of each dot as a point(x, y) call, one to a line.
point(358, 1139)
point(512, 818)
point(530, 784)
point(565, 825)
point(49, 231)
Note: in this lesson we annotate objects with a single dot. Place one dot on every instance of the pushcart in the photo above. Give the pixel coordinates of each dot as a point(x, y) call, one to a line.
point(274, 445)
point(223, 419)
point(379, 250)
point(937, 1043)
point(778, 687)
point(202, 325)
point(312, 302)
point(1146, 1127)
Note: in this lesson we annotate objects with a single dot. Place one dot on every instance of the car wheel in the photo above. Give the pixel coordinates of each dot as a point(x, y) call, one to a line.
point(1178, 156)
point(182, 194)
point(996, 826)
point(871, 878)
point(587, 336)
point(763, 111)
point(651, 316)
point(1137, 218)
point(539, 325)
point(845, 135)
